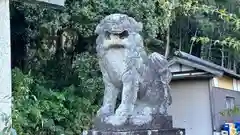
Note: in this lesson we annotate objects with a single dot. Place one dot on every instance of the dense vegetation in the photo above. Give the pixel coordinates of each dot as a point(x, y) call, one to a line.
point(57, 85)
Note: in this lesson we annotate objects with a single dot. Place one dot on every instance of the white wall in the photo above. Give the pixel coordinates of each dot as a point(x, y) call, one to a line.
point(57, 2)
point(5, 60)
point(191, 107)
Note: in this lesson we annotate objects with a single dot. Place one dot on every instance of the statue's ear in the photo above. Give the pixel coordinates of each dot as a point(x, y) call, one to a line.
point(137, 26)
point(98, 29)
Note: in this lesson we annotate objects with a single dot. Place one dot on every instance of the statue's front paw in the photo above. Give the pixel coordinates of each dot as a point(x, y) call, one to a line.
point(121, 115)
point(124, 109)
point(142, 116)
point(117, 119)
point(105, 111)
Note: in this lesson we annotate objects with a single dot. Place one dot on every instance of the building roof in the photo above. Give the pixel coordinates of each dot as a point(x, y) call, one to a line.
point(56, 4)
point(200, 64)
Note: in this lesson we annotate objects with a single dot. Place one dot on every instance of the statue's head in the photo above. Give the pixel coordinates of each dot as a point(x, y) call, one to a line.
point(117, 30)
point(118, 23)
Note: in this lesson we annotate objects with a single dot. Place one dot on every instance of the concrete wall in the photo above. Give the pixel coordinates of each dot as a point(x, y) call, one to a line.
point(191, 106)
point(219, 101)
point(5, 60)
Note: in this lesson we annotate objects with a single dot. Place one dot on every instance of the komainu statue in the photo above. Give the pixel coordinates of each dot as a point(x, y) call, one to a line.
point(142, 80)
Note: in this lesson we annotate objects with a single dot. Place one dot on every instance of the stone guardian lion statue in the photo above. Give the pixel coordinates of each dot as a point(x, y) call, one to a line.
point(142, 80)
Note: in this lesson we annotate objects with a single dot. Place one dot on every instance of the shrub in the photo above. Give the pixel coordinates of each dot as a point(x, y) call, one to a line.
point(43, 107)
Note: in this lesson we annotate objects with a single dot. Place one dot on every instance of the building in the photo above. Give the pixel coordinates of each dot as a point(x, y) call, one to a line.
point(5, 55)
point(200, 91)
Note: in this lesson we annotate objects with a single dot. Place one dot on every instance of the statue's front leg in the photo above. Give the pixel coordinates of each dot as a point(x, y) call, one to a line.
point(129, 93)
point(110, 97)
point(129, 97)
point(109, 100)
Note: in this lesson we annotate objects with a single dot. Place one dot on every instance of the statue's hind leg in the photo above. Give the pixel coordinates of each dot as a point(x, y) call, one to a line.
point(167, 100)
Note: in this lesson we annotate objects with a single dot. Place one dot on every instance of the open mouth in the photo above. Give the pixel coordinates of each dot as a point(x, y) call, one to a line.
point(116, 46)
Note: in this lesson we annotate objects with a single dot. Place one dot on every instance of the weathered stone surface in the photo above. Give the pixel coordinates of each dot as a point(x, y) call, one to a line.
point(158, 122)
point(174, 131)
point(142, 80)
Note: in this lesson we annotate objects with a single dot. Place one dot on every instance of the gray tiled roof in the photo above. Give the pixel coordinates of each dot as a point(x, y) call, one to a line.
point(192, 61)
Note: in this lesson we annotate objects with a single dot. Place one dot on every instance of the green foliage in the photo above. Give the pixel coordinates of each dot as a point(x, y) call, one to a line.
point(39, 108)
point(231, 112)
point(231, 42)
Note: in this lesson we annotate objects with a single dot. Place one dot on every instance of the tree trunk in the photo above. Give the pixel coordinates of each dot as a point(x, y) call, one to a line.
point(209, 52)
point(168, 43)
point(222, 58)
point(180, 35)
point(234, 65)
point(191, 47)
point(230, 61)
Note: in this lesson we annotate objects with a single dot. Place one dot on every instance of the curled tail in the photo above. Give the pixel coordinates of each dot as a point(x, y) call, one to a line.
point(159, 64)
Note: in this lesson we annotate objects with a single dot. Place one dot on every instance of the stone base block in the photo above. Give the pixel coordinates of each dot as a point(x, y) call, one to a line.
point(159, 125)
point(158, 122)
point(173, 131)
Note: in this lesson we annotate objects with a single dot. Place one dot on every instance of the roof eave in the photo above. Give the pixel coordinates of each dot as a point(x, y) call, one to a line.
point(197, 66)
point(205, 65)
point(193, 77)
point(42, 3)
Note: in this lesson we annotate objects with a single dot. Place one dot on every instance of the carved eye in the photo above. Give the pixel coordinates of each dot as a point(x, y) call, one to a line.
point(107, 35)
point(123, 35)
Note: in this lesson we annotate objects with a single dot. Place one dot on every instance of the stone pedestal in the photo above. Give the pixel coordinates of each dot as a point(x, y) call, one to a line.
point(140, 132)
point(160, 125)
